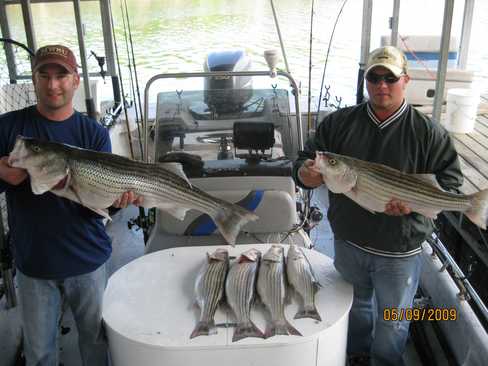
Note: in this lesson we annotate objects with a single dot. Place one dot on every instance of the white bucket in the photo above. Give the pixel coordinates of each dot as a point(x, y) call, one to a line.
point(462, 105)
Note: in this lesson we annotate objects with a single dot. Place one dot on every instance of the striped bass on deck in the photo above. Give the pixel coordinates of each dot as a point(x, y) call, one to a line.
point(209, 290)
point(240, 291)
point(373, 185)
point(96, 179)
point(303, 280)
point(272, 288)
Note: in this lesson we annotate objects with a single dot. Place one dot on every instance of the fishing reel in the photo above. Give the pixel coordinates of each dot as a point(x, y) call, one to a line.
point(101, 63)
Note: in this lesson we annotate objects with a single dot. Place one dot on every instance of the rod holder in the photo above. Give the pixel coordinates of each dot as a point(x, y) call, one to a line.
point(272, 58)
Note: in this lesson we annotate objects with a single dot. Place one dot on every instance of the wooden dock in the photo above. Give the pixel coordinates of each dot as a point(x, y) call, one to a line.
point(473, 151)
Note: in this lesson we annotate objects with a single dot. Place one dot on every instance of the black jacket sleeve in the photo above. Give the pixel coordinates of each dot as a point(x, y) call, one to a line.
point(317, 142)
point(443, 160)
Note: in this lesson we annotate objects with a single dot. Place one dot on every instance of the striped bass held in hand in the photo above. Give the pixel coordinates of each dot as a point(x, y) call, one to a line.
point(373, 185)
point(240, 291)
point(303, 280)
point(271, 289)
point(96, 179)
point(209, 290)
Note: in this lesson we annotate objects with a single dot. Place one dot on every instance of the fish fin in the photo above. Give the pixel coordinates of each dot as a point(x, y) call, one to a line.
point(478, 213)
point(431, 214)
point(308, 312)
point(204, 328)
point(70, 184)
point(177, 212)
point(281, 328)
point(177, 169)
point(230, 219)
point(429, 179)
point(245, 330)
point(316, 286)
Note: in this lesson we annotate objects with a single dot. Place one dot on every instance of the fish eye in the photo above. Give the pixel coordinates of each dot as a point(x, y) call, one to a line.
point(332, 161)
point(36, 148)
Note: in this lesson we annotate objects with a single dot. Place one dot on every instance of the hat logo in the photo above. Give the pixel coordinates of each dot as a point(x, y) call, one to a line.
point(54, 51)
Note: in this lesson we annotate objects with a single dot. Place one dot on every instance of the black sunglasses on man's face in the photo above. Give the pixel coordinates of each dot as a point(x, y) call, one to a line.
point(387, 78)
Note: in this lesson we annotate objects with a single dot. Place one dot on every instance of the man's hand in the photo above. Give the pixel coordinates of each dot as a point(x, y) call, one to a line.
point(128, 198)
point(309, 177)
point(13, 176)
point(397, 208)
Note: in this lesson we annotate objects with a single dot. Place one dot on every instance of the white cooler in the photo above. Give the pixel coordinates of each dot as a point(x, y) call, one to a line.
point(149, 314)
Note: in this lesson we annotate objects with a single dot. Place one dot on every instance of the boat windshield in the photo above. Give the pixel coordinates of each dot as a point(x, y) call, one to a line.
point(201, 122)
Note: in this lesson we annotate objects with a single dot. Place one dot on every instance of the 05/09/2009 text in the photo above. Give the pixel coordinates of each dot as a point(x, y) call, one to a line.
point(416, 314)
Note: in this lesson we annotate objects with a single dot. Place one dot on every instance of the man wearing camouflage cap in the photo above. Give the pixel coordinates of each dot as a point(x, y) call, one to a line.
point(378, 253)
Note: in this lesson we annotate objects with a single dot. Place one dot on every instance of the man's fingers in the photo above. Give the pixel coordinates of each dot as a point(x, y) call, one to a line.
point(138, 201)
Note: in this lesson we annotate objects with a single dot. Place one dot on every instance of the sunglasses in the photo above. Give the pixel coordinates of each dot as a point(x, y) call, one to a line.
point(387, 78)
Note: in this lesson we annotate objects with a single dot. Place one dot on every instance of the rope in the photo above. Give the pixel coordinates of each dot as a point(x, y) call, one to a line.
point(431, 74)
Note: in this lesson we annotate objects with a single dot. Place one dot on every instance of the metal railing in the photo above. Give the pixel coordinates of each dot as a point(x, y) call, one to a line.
point(220, 74)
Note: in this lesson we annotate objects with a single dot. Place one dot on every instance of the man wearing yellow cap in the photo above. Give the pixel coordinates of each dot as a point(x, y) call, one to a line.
point(378, 253)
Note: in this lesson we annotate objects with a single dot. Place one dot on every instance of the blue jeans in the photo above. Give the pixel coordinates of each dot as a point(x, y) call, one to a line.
point(41, 304)
point(379, 283)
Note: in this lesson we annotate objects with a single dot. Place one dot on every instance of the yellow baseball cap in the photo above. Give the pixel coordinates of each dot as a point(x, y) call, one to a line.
point(389, 57)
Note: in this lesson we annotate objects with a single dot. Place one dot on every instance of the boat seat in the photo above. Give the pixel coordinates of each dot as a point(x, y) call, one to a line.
point(271, 198)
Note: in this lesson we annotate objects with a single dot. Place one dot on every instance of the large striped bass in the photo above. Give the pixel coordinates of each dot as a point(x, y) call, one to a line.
point(209, 290)
point(373, 185)
point(271, 289)
point(240, 291)
point(96, 179)
point(303, 280)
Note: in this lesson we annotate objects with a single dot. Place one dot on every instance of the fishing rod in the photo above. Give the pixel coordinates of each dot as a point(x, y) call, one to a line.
point(18, 44)
point(136, 78)
point(143, 220)
point(309, 115)
point(326, 59)
point(121, 86)
point(280, 37)
point(129, 63)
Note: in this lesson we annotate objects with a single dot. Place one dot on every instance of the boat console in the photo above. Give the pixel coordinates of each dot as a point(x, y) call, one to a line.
point(242, 154)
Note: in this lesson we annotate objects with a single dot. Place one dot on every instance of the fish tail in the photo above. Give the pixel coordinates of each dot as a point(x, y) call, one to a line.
point(308, 312)
point(244, 330)
point(478, 213)
point(230, 219)
point(281, 328)
point(204, 328)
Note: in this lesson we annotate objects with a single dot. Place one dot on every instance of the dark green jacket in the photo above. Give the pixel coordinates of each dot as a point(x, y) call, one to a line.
point(411, 143)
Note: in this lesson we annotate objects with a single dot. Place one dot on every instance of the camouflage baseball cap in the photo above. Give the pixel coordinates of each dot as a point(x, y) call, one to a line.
point(389, 57)
point(55, 54)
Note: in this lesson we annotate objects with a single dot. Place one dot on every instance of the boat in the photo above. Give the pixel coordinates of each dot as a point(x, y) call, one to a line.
point(237, 142)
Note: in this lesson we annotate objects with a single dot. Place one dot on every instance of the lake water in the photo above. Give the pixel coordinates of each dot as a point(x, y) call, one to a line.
point(175, 35)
